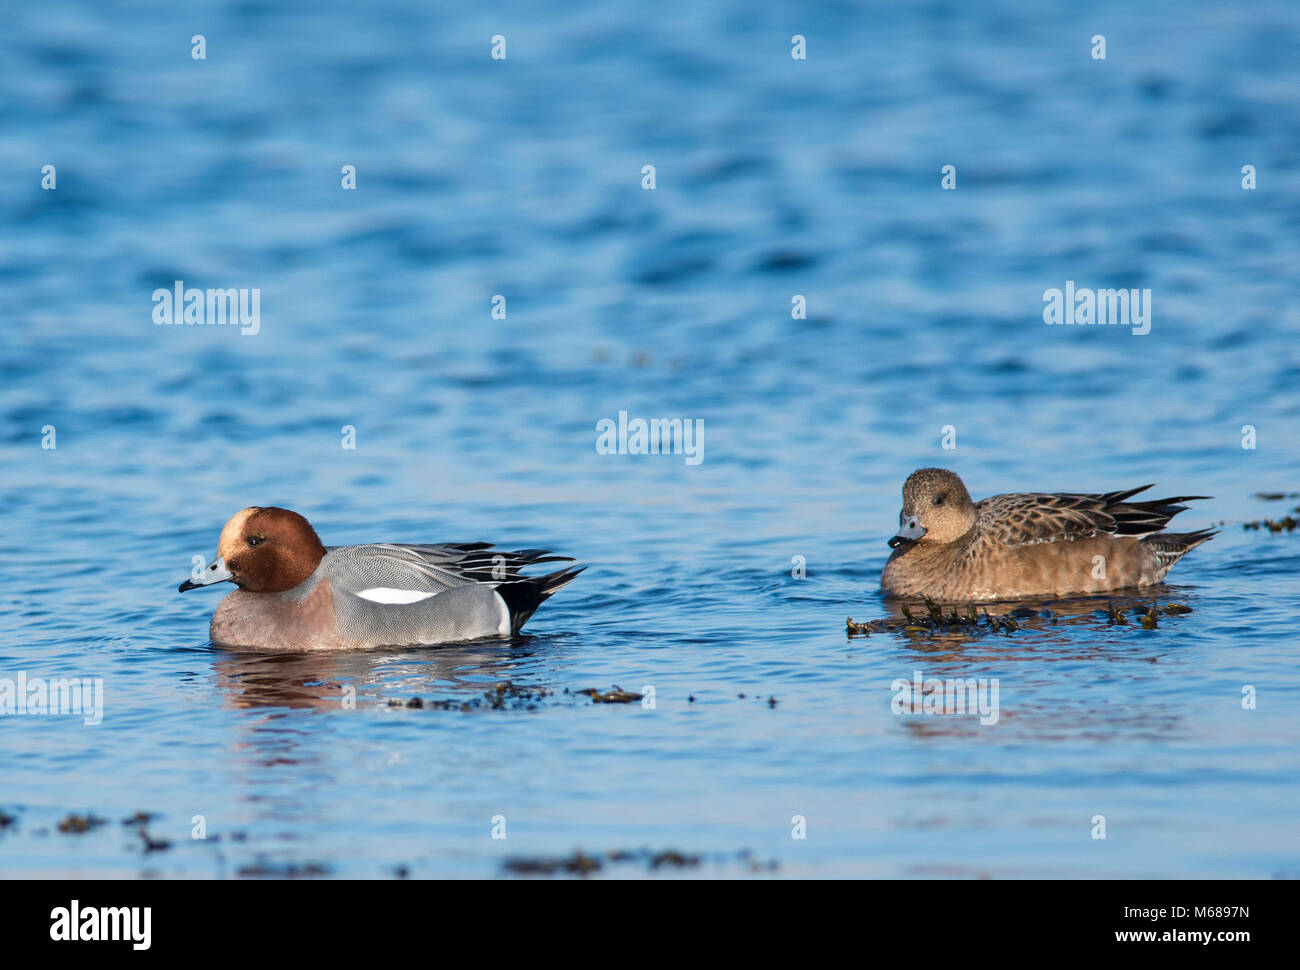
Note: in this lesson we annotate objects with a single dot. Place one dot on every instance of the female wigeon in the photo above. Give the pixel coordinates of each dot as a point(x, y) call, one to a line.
point(951, 549)
point(297, 595)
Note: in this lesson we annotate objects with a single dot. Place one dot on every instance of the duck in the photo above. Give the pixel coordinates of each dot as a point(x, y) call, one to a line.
point(1029, 544)
point(296, 595)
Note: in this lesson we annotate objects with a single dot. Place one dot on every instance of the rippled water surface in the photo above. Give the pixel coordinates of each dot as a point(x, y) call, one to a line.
point(774, 177)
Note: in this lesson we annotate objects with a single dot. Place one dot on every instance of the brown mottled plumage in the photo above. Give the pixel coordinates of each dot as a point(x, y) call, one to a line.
point(1032, 544)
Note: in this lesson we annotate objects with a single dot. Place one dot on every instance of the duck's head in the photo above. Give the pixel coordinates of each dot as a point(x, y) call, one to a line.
point(936, 508)
point(263, 550)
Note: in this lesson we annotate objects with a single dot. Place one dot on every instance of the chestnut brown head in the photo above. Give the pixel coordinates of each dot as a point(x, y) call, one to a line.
point(264, 550)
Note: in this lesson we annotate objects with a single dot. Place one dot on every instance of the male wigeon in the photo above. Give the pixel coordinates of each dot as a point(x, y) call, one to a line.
point(297, 595)
point(951, 549)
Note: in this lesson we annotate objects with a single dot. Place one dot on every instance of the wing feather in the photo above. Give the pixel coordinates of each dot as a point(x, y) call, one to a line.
point(429, 568)
point(1032, 517)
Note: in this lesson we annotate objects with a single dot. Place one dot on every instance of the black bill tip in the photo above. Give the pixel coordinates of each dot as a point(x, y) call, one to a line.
point(896, 541)
point(188, 584)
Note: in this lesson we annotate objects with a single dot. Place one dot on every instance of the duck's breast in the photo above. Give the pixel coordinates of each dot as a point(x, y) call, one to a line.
point(278, 621)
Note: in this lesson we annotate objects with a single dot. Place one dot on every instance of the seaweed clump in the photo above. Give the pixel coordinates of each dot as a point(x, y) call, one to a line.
point(934, 620)
point(503, 696)
point(1286, 524)
point(579, 863)
point(616, 696)
point(77, 824)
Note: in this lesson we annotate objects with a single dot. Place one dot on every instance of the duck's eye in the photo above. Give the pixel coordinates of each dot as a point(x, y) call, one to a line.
point(939, 499)
point(256, 540)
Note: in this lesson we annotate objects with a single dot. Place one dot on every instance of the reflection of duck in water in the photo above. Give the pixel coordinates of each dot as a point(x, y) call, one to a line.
point(325, 681)
point(297, 595)
point(951, 549)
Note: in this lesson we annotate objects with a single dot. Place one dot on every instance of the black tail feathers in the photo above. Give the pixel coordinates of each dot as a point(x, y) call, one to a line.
point(522, 596)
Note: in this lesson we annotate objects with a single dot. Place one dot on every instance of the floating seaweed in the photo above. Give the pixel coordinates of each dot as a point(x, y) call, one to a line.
point(616, 696)
point(978, 621)
point(283, 870)
point(1287, 524)
point(580, 863)
point(934, 620)
point(77, 824)
point(864, 629)
point(1152, 617)
point(151, 844)
point(503, 696)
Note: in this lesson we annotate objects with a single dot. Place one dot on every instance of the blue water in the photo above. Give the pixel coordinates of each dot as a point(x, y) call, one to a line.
point(774, 177)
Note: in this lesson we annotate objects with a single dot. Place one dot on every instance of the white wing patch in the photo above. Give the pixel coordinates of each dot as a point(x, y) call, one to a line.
point(386, 594)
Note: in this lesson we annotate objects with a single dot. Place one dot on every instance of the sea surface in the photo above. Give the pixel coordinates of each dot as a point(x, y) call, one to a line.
point(766, 744)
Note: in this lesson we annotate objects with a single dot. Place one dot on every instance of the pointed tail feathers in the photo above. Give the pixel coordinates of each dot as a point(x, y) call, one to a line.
point(1143, 518)
point(1169, 547)
point(522, 596)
